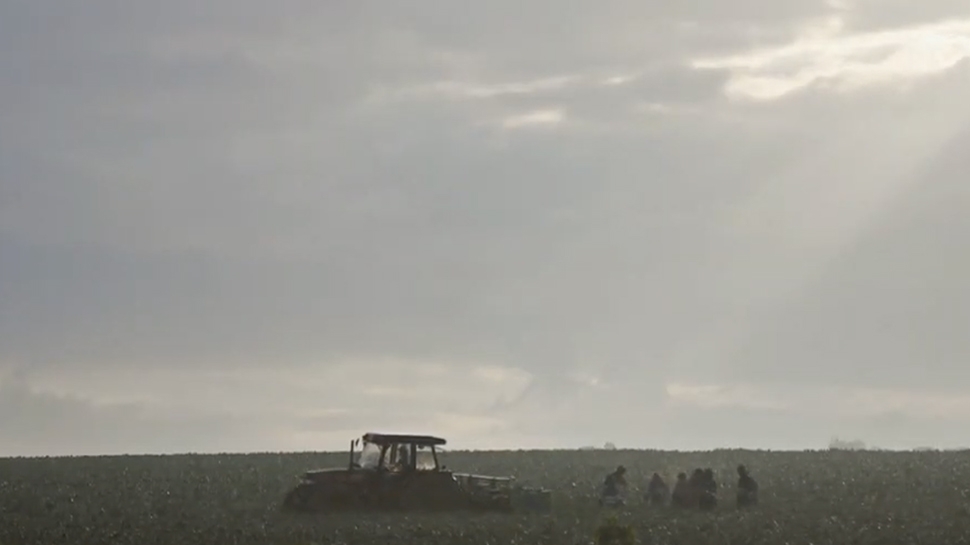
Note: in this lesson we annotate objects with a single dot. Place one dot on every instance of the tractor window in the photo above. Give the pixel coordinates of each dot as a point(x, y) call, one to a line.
point(424, 460)
point(370, 456)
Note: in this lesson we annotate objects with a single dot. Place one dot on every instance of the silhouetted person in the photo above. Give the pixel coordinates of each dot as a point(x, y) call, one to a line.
point(696, 482)
point(613, 487)
point(682, 495)
point(707, 499)
point(615, 481)
point(657, 491)
point(747, 488)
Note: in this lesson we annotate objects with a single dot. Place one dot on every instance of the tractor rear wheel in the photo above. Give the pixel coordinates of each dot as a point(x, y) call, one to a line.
point(298, 499)
point(310, 498)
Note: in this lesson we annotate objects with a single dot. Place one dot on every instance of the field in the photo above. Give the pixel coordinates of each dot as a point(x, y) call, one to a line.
point(822, 497)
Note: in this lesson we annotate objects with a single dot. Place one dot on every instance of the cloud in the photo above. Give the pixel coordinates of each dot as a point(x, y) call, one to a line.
point(40, 423)
point(880, 14)
point(319, 219)
point(464, 90)
point(833, 400)
point(825, 55)
point(313, 408)
point(536, 118)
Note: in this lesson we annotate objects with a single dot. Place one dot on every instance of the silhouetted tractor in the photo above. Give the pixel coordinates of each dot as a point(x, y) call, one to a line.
point(402, 473)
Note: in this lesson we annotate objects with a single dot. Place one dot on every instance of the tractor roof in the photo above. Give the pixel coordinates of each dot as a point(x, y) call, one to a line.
point(389, 438)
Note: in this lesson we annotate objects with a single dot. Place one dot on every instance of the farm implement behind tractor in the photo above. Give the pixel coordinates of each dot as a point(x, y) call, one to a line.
point(402, 473)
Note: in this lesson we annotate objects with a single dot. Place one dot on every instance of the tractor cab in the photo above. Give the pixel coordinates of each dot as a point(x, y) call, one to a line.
point(396, 453)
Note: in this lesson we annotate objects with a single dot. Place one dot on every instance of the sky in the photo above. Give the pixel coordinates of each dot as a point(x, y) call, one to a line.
point(239, 225)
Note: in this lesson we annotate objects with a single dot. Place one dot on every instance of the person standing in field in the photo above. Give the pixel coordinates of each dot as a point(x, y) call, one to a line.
point(682, 495)
point(615, 482)
point(657, 491)
point(614, 487)
point(696, 486)
point(747, 488)
point(707, 499)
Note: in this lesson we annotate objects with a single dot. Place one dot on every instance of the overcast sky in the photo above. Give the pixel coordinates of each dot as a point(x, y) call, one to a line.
point(236, 225)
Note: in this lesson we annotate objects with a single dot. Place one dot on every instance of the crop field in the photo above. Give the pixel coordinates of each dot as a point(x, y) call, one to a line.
point(869, 498)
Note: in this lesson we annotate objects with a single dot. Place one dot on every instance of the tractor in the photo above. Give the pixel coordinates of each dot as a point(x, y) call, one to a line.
point(393, 472)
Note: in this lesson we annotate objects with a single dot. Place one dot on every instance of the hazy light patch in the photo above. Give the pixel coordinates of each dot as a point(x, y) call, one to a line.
point(825, 55)
point(818, 207)
point(723, 395)
point(875, 402)
point(326, 413)
point(502, 375)
point(584, 378)
point(664, 109)
point(392, 391)
point(118, 399)
point(309, 392)
point(225, 386)
point(620, 79)
point(464, 424)
point(469, 90)
point(463, 391)
point(291, 440)
point(833, 401)
point(652, 108)
point(536, 118)
point(462, 431)
point(464, 90)
point(474, 386)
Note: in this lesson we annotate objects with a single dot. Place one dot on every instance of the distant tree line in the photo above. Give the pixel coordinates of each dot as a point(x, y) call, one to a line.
point(607, 446)
point(840, 444)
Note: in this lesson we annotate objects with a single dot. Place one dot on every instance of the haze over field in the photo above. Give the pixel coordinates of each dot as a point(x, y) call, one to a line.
point(247, 225)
